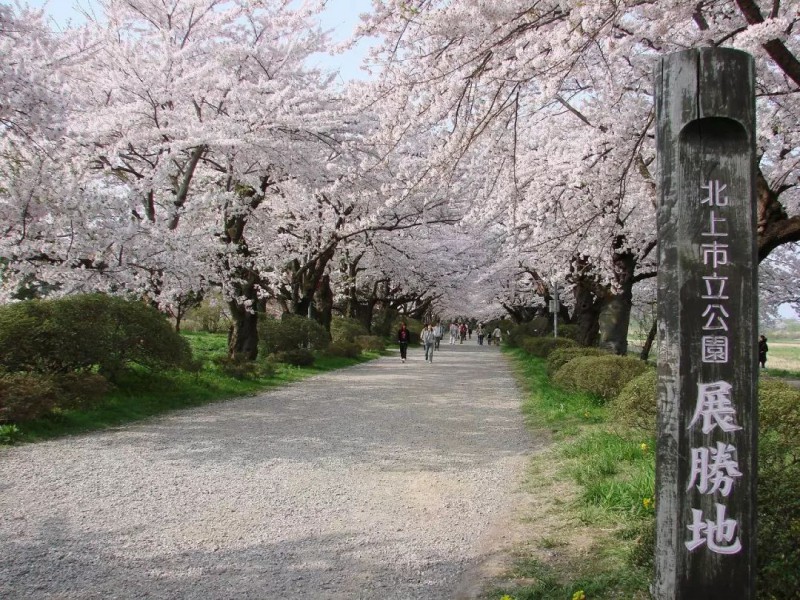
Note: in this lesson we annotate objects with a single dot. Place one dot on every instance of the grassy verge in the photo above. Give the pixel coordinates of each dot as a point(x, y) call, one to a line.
point(592, 500)
point(140, 394)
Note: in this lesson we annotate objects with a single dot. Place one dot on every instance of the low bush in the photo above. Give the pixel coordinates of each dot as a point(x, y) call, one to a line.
point(371, 343)
point(344, 349)
point(568, 331)
point(29, 395)
point(535, 328)
point(299, 357)
point(346, 330)
point(601, 376)
point(79, 333)
point(292, 332)
point(636, 406)
point(561, 356)
point(240, 368)
point(9, 434)
point(541, 347)
point(778, 490)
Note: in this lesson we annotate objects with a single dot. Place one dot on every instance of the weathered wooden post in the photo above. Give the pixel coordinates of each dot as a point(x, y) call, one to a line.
point(707, 290)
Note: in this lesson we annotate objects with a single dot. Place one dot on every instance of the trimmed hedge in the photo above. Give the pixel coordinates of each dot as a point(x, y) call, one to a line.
point(292, 332)
point(538, 327)
point(636, 406)
point(80, 333)
point(29, 395)
point(240, 368)
point(371, 343)
point(300, 357)
point(344, 349)
point(778, 490)
point(561, 356)
point(541, 347)
point(346, 330)
point(601, 376)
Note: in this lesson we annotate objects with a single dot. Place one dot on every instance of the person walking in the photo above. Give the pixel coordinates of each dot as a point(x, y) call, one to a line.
point(479, 333)
point(438, 332)
point(463, 332)
point(429, 341)
point(453, 333)
point(762, 351)
point(402, 339)
point(496, 335)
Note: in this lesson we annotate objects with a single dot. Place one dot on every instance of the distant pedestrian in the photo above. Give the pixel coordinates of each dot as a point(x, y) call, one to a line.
point(428, 338)
point(402, 339)
point(438, 332)
point(469, 331)
point(496, 335)
point(453, 333)
point(463, 332)
point(762, 351)
point(479, 333)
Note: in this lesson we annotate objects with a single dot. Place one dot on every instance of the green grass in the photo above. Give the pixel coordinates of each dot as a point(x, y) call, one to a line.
point(140, 394)
point(615, 481)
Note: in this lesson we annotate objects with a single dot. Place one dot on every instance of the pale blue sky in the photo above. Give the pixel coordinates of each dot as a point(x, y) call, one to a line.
point(340, 16)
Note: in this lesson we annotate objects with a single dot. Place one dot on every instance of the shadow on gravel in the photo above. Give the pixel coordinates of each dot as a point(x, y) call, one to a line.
point(66, 564)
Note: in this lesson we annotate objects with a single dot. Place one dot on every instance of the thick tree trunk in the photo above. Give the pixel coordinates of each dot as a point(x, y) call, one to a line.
point(615, 317)
point(243, 334)
point(323, 303)
point(648, 343)
point(586, 316)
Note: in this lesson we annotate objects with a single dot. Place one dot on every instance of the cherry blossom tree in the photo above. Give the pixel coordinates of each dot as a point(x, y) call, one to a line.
point(561, 94)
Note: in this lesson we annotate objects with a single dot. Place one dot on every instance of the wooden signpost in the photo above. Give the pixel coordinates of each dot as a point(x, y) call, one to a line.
point(707, 292)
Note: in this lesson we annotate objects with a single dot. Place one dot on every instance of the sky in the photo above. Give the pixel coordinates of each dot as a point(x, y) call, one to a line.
point(340, 17)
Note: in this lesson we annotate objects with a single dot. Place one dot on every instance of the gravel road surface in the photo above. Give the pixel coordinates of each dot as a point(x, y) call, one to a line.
point(382, 481)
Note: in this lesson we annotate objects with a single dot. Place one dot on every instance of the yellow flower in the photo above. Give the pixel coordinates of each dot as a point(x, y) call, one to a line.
point(644, 447)
point(506, 597)
point(647, 502)
point(579, 595)
point(586, 414)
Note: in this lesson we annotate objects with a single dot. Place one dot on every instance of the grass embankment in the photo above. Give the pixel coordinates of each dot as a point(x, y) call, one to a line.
point(140, 393)
point(591, 492)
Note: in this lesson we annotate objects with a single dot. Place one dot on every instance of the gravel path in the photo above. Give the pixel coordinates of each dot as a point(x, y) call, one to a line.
point(382, 481)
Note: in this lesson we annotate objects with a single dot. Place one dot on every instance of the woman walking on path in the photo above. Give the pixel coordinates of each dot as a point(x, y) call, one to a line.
point(479, 332)
point(402, 339)
point(429, 340)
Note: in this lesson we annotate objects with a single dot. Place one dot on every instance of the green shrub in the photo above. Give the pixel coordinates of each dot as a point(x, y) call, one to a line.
point(240, 368)
point(568, 331)
point(346, 330)
point(636, 406)
point(292, 332)
point(79, 333)
point(535, 328)
point(371, 343)
point(344, 349)
point(29, 395)
point(210, 316)
point(601, 376)
point(9, 434)
point(541, 347)
point(299, 357)
point(561, 356)
point(25, 396)
point(81, 390)
point(778, 487)
point(778, 490)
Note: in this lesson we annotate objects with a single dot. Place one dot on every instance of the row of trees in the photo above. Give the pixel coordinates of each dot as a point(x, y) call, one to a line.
point(549, 105)
point(164, 149)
